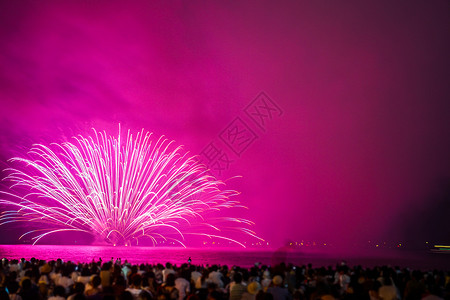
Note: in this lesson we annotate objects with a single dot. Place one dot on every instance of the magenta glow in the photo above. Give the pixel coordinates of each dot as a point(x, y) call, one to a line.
point(120, 190)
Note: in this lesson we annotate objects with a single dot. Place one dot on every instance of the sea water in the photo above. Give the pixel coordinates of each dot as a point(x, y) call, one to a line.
point(225, 256)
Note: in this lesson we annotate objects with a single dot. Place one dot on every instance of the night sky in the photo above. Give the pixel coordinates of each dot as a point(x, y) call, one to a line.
point(352, 144)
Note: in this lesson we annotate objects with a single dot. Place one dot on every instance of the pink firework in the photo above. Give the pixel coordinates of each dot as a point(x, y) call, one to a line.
point(119, 191)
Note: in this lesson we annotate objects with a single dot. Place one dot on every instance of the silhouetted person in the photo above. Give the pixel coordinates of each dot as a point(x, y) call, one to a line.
point(28, 291)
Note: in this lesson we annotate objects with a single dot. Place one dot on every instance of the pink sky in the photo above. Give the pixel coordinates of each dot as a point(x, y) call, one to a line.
point(360, 151)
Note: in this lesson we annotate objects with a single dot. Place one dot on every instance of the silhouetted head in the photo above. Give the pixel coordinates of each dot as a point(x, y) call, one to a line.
point(78, 288)
point(136, 280)
point(26, 284)
point(96, 281)
point(59, 291)
point(237, 277)
point(170, 280)
point(215, 295)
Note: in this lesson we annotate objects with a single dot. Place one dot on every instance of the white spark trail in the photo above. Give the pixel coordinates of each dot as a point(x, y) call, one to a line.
point(117, 189)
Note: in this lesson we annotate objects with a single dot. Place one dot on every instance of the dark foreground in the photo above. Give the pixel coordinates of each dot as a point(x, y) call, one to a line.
point(114, 278)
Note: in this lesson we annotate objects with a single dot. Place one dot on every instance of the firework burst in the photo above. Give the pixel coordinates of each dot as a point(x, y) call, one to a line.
point(118, 190)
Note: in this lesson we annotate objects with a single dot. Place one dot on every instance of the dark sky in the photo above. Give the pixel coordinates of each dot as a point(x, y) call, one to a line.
point(358, 144)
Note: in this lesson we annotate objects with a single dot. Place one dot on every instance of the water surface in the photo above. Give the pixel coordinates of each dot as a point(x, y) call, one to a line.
point(229, 256)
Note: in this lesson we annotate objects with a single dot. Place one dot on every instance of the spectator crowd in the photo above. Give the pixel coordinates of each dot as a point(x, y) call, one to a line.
point(116, 280)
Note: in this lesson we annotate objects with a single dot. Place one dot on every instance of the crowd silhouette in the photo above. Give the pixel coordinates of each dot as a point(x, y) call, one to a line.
point(116, 280)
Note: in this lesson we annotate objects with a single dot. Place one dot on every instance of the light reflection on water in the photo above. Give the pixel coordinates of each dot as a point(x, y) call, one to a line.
point(135, 255)
point(229, 256)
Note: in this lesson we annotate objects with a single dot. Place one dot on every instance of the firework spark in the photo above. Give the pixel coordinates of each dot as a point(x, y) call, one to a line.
point(118, 190)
